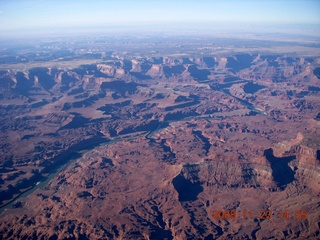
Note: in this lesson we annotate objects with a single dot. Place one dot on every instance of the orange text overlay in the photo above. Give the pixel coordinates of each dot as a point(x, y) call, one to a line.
point(263, 214)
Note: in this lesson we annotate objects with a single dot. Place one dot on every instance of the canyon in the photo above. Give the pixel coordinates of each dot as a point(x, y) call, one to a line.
point(148, 147)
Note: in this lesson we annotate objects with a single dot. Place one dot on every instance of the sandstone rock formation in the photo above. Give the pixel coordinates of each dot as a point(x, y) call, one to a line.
point(153, 147)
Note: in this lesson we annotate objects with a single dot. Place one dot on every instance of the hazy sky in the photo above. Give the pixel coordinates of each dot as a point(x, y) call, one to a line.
point(32, 14)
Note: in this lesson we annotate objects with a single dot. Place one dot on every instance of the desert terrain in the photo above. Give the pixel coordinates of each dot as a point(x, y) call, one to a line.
point(130, 139)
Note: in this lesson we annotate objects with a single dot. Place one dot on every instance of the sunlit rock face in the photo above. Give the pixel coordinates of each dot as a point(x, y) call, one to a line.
point(151, 146)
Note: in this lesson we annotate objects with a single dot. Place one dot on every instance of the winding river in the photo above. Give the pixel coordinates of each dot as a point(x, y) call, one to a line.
point(77, 152)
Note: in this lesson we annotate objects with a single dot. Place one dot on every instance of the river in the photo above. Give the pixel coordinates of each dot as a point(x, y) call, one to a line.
point(69, 156)
point(76, 154)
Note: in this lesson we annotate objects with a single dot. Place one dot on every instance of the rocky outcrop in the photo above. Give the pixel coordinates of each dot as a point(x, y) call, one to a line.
point(189, 135)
